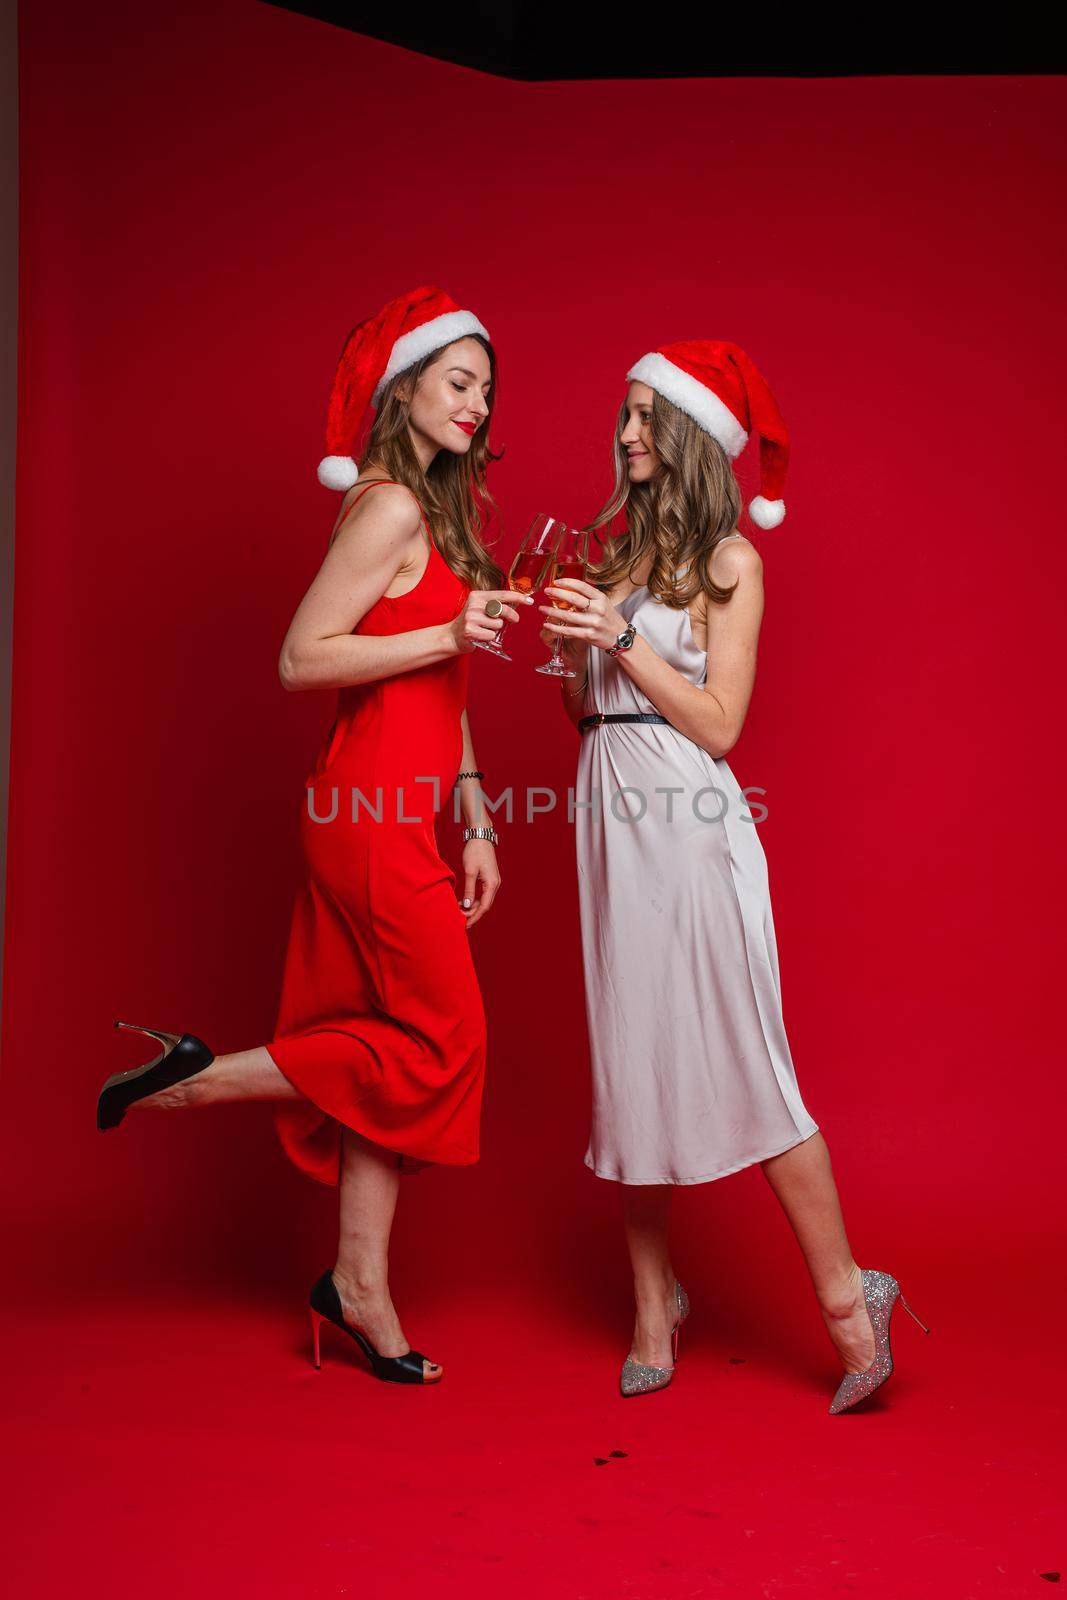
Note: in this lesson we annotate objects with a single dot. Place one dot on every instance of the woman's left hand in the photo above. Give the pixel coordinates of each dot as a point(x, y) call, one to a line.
point(595, 621)
point(481, 879)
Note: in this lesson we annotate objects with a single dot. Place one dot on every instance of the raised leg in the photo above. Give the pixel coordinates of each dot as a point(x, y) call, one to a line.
point(646, 1217)
point(370, 1179)
point(803, 1180)
point(244, 1075)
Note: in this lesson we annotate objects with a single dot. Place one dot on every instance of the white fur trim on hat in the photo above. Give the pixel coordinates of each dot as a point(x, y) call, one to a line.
point(424, 340)
point(692, 397)
point(766, 513)
point(337, 472)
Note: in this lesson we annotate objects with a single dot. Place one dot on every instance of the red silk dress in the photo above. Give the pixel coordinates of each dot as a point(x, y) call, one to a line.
point(380, 1022)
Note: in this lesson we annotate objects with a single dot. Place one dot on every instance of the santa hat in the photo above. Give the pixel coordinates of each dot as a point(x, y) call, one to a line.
point(721, 388)
point(410, 327)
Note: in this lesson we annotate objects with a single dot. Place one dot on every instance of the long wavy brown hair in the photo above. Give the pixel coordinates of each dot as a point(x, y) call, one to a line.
point(678, 517)
point(453, 491)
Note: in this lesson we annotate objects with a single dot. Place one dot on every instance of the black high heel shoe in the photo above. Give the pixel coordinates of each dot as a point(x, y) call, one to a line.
point(325, 1306)
point(182, 1056)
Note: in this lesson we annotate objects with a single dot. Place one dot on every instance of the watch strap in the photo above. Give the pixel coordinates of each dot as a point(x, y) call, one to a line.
point(480, 833)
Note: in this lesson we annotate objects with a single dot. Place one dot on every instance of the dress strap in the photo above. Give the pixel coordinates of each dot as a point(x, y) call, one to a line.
point(373, 485)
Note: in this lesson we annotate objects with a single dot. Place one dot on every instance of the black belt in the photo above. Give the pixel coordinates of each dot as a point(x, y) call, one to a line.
point(619, 716)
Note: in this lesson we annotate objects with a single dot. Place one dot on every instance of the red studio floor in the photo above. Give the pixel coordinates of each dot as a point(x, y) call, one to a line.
point(185, 1445)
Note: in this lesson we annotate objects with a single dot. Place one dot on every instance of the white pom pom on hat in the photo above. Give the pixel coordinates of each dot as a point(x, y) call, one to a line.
point(337, 472)
point(411, 326)
point(766, 513)
point(721, 388)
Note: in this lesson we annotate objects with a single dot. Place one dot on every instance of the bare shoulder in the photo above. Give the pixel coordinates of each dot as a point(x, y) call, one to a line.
point(386, 515)
point(736, 558)
point(735, 561)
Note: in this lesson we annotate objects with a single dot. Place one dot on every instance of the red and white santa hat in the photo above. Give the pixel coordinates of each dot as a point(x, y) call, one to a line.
point(410, 327)
point(722, 389)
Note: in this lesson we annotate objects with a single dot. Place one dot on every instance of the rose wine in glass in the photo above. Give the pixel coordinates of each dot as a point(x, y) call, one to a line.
point(529, 568)
point(571, 560)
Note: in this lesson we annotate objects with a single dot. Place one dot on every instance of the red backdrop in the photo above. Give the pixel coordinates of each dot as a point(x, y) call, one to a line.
point(210, 200)
point(211, 197)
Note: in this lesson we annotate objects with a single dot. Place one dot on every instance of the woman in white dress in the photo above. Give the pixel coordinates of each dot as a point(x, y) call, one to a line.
point(692, 1074)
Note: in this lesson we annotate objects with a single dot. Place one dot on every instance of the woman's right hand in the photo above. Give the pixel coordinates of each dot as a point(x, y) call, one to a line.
point(575, 651)
point(472, 625)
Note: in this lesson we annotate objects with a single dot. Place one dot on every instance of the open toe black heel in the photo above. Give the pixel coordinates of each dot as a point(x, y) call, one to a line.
point(325, 1306)
point(183, 1055)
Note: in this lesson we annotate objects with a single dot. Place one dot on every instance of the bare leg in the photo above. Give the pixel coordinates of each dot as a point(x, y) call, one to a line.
point(803, 1180)
point(646, 1214)
point(245, 1075)
point(370, 1179)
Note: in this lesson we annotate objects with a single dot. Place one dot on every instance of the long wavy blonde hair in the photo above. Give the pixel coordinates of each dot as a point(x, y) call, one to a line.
point(453, 491)
point(678, 517)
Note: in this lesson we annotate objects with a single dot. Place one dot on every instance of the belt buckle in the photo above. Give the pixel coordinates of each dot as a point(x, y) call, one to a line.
point(598, 718)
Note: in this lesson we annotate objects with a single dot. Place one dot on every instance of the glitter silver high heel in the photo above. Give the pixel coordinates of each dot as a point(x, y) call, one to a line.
point(635, 1377)
point(881, 1292)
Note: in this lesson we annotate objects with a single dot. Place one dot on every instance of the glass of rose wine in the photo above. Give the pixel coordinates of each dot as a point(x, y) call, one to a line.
point(529, 569)
point(570, 560)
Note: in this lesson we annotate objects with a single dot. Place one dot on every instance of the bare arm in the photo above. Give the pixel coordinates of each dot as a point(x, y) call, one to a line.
point(479, 855)
point(472, 802)
point(714, 715)
point(375, 542)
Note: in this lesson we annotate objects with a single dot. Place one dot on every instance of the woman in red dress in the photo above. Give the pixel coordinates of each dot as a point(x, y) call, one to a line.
point(378, 1054)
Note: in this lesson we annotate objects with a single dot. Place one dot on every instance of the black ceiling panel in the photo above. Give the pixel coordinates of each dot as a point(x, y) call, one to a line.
point(541, 41)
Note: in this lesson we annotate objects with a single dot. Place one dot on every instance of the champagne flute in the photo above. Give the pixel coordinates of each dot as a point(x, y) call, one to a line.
point(571, 560)
point(529, 568)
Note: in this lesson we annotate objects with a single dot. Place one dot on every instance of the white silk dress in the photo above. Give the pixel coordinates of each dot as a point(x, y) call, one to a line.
point(691, 1070)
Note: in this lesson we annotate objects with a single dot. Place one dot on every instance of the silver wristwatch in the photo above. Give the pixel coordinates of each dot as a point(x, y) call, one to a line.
point(624, 641)
point(480, 833)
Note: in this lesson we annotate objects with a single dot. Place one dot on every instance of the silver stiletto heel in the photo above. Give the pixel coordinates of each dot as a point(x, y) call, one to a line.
point(881, 1292)
point(635, 1377)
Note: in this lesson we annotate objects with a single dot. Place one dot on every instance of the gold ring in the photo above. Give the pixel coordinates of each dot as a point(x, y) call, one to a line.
point(493, 608)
